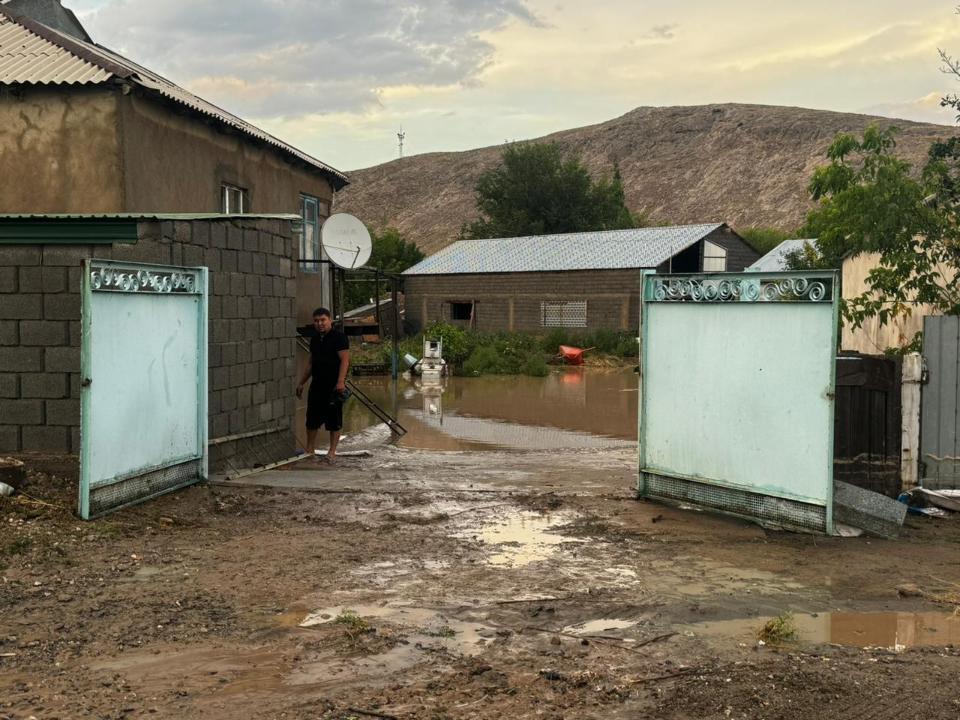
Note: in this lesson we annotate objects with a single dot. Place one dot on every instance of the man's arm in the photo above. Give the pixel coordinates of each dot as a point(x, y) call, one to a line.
point(305, 375)
point(344, 356)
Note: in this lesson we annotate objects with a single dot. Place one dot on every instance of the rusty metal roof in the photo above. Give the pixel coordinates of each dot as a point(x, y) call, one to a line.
point(34, 54)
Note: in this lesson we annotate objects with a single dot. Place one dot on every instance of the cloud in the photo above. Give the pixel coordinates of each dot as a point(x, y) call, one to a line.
point(924, 109)
point(662, 32)
point(277, 58)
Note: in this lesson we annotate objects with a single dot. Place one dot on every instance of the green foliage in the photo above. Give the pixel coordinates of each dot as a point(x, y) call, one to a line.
point(391, 253)
point(352, 621)
point(18, 546)
point(537, 190)
point(869, 201)
point(764, 239)
point(778, 630)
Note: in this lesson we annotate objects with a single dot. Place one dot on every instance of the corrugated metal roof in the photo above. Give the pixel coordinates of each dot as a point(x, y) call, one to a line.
point(31, 53)
point(776, 259)
point(602, 250)
point(28, 58)
point(146, 216)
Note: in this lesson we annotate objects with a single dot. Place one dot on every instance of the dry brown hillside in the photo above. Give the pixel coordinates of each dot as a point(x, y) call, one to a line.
point(742, 164)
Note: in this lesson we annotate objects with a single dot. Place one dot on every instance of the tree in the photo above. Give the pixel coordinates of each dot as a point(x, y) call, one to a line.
point(764, 239)
point(869, 201)
point(537, 190)
point(391, 253)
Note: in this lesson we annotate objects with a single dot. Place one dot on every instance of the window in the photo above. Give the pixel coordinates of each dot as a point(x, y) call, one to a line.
point(563, 314)
point(461, 310)
point(714, 257)
point(314, 212)
point(233, 199)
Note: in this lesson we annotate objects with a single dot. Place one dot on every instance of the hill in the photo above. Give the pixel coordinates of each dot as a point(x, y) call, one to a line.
point(747, 165)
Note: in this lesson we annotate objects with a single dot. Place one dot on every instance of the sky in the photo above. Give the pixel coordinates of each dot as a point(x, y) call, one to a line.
point(339, 78)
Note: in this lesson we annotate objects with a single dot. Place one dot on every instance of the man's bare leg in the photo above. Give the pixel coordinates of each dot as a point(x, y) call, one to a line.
point(311, 442)
point(332, 452)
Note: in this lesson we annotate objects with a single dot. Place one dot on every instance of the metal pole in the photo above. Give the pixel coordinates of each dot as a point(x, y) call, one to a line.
point(343, 281)
point(396, 327)
point(377, 301)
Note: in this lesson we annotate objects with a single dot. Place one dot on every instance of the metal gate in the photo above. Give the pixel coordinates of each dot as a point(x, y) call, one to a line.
point(143, 421)
point(737, 383)
point(940, 404)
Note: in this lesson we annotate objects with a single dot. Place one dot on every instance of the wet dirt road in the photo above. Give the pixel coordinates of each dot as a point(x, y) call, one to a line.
point(424, 584)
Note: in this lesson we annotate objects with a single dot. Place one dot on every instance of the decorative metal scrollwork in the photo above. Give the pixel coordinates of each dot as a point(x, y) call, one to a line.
point(133, 279)
point(739, 289)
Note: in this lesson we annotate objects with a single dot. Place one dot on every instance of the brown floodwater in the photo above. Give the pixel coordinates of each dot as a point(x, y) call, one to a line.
point(570, 408)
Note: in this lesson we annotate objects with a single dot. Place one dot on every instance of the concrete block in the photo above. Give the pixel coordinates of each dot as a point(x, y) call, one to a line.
point(237, 330)
point(251, 373)
point(286, 268)
point(267, 287)
point(20, 306)
point(244, 396)
point(238, 284)
point(22, 412)
point(183, 232)
point(259, 307)
point(8, 279)
point(74, 384)
point(9, 438)
point(264, 326)
point(66, 254)
point(62, 412)
point(21, 359)
point(234, 237)
point(62, 359)
point(273, 265)
point(236, 422)
point(166, 231)
point(259, 263)
point(193, 256)
point(237, 376)
point(219, 425)
point(214, 355)
point(228, 354)
point(46, 438)
point(258, 285)
point(874, 513)
point(76, 333)
point(220, 378)
point(251, 417)
point(62, 306)
point(176, 254)
point(220, 283)
point(45, 385)
point(228, 261)
point(279, 408)
point(213, 402)
point(74, 277)
point(18, 255)
point(29, 279)
point(258, 393)
point(258, 351)
point(44, 333)
point(228, 307)
point(244, 306)
point(218, 235)
point(266, 412)
point(147, 251)
point(251, 240)
point(245, 262)
point(215, 307)
point(228, 399)
point(273, 307)
point(201, 233)
point(211, 258)
point(9, 385)
point(75, 440)
point(220, 331)
point(54, 279)
point(9, 333)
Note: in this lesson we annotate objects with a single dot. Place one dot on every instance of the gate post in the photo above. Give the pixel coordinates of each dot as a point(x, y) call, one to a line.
point(910, 423)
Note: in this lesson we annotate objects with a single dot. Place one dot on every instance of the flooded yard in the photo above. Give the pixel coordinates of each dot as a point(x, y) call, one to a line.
point(569, 408)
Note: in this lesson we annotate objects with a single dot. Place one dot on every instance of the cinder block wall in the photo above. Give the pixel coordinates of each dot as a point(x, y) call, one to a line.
point(251, 352)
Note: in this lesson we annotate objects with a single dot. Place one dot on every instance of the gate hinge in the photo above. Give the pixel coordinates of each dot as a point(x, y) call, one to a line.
point(86, 382)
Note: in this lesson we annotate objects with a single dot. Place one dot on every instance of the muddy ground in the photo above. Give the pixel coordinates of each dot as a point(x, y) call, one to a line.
point(416, 584)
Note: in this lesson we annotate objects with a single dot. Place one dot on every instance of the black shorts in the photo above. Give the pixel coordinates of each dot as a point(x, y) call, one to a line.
point(324, 409)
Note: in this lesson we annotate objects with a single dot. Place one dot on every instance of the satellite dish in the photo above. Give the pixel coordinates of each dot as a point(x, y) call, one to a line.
point(346, 241)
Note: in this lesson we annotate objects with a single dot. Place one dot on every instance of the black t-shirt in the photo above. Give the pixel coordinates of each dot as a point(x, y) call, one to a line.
point(326, 361)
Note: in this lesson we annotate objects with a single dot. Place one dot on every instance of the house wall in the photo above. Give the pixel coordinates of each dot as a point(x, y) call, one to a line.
point(251, 351)
point(59, 152)
point(511, 301)
point(871, 337)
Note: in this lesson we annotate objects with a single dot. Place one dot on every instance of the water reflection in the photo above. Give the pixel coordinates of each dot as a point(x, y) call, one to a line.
point(576, 408)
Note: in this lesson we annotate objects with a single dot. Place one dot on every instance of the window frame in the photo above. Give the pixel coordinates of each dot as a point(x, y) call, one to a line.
point(226, 190)
point(712, 252)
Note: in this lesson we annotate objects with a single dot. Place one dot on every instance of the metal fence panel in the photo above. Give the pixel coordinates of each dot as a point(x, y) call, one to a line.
point(144, 396)
point(737, 394)
point(940, 403)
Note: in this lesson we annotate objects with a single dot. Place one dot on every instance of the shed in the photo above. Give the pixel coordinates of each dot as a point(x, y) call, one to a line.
point(776, 259)
point(585, 281)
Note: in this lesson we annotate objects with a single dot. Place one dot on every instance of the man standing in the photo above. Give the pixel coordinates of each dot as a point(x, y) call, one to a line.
point(329, 362)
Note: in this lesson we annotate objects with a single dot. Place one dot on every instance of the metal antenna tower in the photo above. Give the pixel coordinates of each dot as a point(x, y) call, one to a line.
point(400, 136)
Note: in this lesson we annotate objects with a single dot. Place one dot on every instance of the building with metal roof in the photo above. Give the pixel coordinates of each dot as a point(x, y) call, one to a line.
point(584, 281)
point(87, 130)
point(776, 259)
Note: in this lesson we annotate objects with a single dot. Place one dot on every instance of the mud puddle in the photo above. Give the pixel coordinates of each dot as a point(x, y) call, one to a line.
point(893, 630)
point(601, 626)
point(519, 538)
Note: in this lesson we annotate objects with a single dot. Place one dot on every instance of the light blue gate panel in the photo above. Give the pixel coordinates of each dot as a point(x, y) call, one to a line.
point(143, 421)
point(737, 395)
